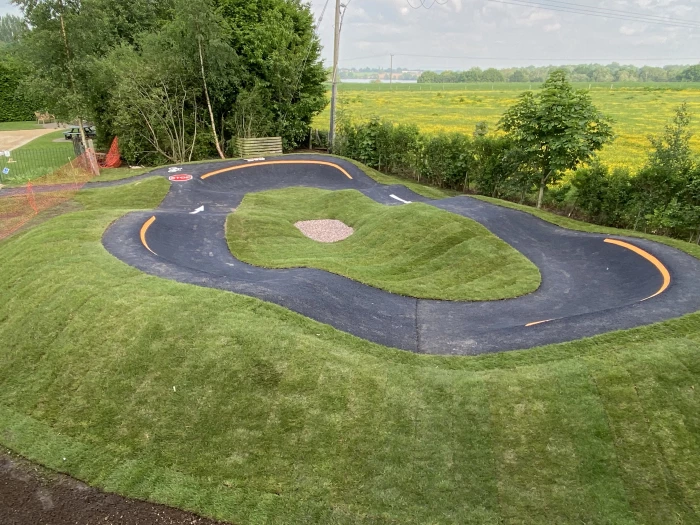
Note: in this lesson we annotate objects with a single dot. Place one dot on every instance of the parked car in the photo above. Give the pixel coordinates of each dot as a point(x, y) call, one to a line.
point(90, 132)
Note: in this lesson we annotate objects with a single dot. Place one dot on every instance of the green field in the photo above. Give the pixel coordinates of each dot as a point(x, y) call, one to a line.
point(451, 257)
point(638, 109)
point(18, 126)
point(37, 158)
point(246, 411)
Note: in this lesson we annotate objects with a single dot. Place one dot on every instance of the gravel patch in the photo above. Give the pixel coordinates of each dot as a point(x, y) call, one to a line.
point(325, 230)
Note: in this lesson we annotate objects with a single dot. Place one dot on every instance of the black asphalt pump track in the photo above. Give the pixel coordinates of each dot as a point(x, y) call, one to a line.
point(591, 283)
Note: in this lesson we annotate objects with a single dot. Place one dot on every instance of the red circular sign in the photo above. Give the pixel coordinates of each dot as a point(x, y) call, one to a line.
point(182, 177)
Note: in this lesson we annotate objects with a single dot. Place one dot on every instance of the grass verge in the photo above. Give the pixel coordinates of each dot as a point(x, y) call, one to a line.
point(415, 250)
point(248, 412)
point(112, 174)
point(18, 126)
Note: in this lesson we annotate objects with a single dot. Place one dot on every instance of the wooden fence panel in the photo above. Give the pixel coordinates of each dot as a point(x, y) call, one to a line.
point(258, 147)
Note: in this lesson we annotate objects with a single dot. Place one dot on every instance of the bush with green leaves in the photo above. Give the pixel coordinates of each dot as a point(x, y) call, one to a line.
point(663, 197)
point(15, 106)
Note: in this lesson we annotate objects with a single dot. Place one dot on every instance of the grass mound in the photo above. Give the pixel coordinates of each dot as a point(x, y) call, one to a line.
point(416, 250)
point(245, 411)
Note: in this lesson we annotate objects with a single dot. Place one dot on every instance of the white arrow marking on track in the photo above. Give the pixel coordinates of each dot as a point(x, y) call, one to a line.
point(399, 199)
point(195, 212)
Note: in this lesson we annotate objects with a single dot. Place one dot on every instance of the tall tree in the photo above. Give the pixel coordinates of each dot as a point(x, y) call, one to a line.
point(557, 129)
point(280, 67)
point(11, 28)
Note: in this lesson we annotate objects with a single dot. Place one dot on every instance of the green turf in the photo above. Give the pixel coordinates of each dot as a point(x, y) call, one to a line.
point(415, 250)
point(37, 158)
point(245, 411)
point(112, 174)
point(18, 126)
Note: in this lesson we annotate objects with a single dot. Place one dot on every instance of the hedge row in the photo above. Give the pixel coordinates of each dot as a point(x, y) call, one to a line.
point(14, 106)
point(663, 197)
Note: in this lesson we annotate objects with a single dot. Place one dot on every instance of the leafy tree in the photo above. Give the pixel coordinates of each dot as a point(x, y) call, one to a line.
point(11, 28)
point(691, 74)
point(557, 129)
point(519, 75)
point(279, 51)
point(428, 77)
point(669, 175)
point(492, 75)
point(65, 43)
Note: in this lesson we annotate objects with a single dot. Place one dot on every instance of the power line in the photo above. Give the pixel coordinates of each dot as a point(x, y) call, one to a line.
point(583, 10)
point(619, 11)
point(550, 59)
point(425, 4)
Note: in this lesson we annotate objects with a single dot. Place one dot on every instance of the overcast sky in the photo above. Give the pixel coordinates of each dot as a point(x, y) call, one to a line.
point(508, 35)
point(501, 35)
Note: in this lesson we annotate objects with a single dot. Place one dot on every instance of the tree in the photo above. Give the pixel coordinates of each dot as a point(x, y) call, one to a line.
point(691, 74)
point(278, 51)
point(519, 75)
point(65, 43)
point(11, 28)
point(492, 75)
point(557, 129)
point(668, 173)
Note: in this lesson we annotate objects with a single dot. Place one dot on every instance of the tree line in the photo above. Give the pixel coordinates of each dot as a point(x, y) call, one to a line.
point(176, 80)
point(544, 153)
point(577, 73)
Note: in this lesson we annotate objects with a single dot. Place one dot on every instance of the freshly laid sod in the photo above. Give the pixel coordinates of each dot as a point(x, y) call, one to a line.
point(248, 412)
point(416, 250)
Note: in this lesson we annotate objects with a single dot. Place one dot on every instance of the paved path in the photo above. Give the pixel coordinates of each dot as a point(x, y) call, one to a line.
point(10, 140)
point(589, 285)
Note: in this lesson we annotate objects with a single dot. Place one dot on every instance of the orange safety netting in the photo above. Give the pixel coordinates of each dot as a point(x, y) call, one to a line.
point(19, 205)
point(112, 159)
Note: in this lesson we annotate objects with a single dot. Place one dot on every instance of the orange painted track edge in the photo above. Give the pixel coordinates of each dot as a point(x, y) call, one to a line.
point(538, 322)
point(649, 257)
point(144, 229)
point(269, 162)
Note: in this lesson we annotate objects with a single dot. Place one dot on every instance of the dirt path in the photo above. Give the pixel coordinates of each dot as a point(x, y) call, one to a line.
point(30, 495)
point(10, 140)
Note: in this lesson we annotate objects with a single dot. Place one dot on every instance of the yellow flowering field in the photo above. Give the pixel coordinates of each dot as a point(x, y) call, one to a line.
point(638, 109)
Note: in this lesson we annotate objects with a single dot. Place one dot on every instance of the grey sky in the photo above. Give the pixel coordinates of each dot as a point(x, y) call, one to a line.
point(6, 7)
point(510, 35)
point(507, 35)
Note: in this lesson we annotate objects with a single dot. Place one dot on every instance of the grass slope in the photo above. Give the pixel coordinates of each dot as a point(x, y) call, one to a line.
point(112, 174)
point(416, 250)
point(243, 410)
point(638, 109)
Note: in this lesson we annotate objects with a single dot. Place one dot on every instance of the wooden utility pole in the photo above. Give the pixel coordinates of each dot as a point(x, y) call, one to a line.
point(391, 71)
point(334, 88)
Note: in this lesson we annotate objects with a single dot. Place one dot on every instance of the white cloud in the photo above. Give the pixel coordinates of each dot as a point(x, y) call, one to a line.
point(552, 27)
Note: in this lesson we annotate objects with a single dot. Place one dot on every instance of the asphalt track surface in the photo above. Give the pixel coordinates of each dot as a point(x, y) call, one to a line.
point(590, 285)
